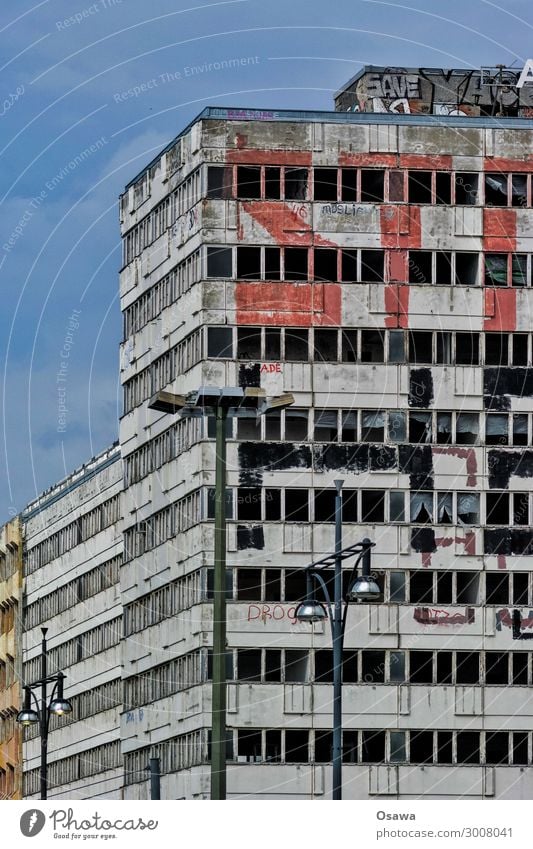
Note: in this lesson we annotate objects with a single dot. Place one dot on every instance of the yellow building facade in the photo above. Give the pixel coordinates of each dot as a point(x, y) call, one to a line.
point(11, 574)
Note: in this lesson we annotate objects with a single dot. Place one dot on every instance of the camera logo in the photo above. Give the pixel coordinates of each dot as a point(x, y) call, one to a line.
point(32, 822)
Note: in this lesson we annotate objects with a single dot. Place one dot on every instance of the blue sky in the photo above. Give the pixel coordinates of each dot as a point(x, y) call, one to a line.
point(66, 68)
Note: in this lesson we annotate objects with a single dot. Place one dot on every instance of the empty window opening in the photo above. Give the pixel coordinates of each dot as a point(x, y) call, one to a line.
point(444, 747)
point(350, 747)
point(495, 269)
point(496, 429)
point(396, 507)
point(519, 190)
point(249, 343)
point(273, 745)
point(272, 183)
point(372, 266)
point(520, 349)
point(296, 425)
point(296, 345)
point(396, 185)
point(349, 667)
point(421, 667)
point(296, 746)
point(419, 187)
point(421, 508)
point(372, 346)
point(396, 346)
point(520, 588)
point(272, 264)
point(496, 189)
point(443, 268)
point(519, 270)
point(373, 666)
point(349, 346)
point(248, 181)
point(273, 424)
point(444, 508)
point(520, 511)
point(249, 745)
point(324, 665)
point(296, 183)
point(420, 267)
point(325, 342)
point(496, 349)
point(444, 667)
point(272, 505)
point(372, 426)
point(520, 748)
point(444, 588)
point(220, 342)
point(444, 347)
point(497, 588)
point(219, 181)
point(467, 429)
point(325, 184)
point(295, 585)
point(397, 586)
point(248, 429)
point(496, 667)
point(467, 667)
point(273, 665)
point(443, 187)
point(421, 747)
point(497, 506)
point(211, 503)
point(467, 587)
point(323, 746)
point(397, 667)
point(467, 349)
point(466, 189)
point(296, 264)
point(372, 185)
point(272, 343)
point(420, 587)
point(296, 665)
point(296, 505)
point(349, 184)
point(349, 426)
point(324, 505)
point(420, 427)
point(466, 269)
point(519, 667)
point(497, 747)
point(272, 586)
point(373, 746)
point(444, 428)
point(249, 664)
point(398, 752)
point(219, 262)
point(349, 266)
point(372, 505)
point(326, 264)
point(420, 346)
point(249, 504)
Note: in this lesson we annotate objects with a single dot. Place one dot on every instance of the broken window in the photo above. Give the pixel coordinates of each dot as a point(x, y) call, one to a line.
point(396, 507)
point(398, 753)
point(372, 746)
point(273, 665)
point(421, 587)
point(372, 185)
point(519, 349)
point(468, 747)
point(272, 343)
point(397, 586)
point(372, 346)
point(372, 266)
point(444, 347)
point(349, 346)
point(325, 184)
point(420, 427)
point(396, 186)
point(497, 507)
point(273, 745)
point(496, 747)
point(495, 269)
point(349, 266)
point(519, 269)
point(372, 426)
point(496, 189)
point(519, 667)
point(419, 186)
point(467, 587)
point(349, 505)
point(420, 346)
point(324, 665)
point(373, 666)
point(219, 262)
point(220, 342)
point(325, 260)
point(325, 426)
point(325, 345)
point(296, 183)
point(466, 189)
point(443, 268)
point(296, 746)
point(296, 505)
point(248, 181)
point(467, 667)
point(421, 667)
point(295, 584)
point(496, 349)
point(273, 424)
point(520, 747)
point(496, 429)
point(520, 586)
point(421, 747)
point(420, 267)
point(496, 667)
point(296, 665)
point(397, 426)
point(349, 184)
point(468, 508)
point(445, 508)
point(350, 746)
point(249, 343)
point(296, 264)
point(444, 668)
point(249, 503)
point(323, 746)
point(444, 428)
point(467, 428)
point(211, 503)
point(444, 588)
point(249, 745)
point(520, 429)
point(396, 346)
point(372, 505)
point(249, 664)
point(444, 747)
point(496, 588)
point(272, 183)
point(349, 426)
point(324, 505)
point(519, 189)
point(219, 181)
point(272, 264)
point(443, 188)
point(296, 427)
point(520, 511)
point(296, 345)
point(467, 349)
point(466, 268)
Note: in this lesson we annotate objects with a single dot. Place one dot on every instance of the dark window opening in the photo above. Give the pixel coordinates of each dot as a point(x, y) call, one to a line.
point(421, 747)
point(519, 189)
point(467, 428)
point(324, 665)
point(443, 188)
point(349, 747)
point(444, 588)
point(211, 502)
point(372, 505)
point(273, 665)
point(396, 507)
point(497, 588)
point(325, 345)
point(249, 584)
point(324, 505)
point(249, 343)
point(497, 506)
point(519, 667)
point(421, 507)
point(323, 746)
point(325, 180)
point(220, 342)
point(325, 264)
point(273, 745)
point(296, 505)
point(496, 667)
point(295, 585)
point(272, 264)
point(372, 426)
point(519, 270)
point(349, 266)
point(211, 587)
point(349, 505)
point(373, 666)
point(272, 343)
point(349, 184)
point(496, 349)
point(296, 264)
point(421, 667)
point(272, 586)
point(248, 181)
point(420, 267)
point(219, 262)
point(296, 183)
point(396, 186)
point(219, 182)
point(296, 746)
point(372, 185)
point(373, 746)
point(467, 667)
point(444, 747)
point(445, 508)
point(296, 425)
point(420, 587)
point(444, 428)
point(249, 745)
point(496, 189)
point(272, 505)
point(249, 664)
point(466, 189)
point(296, 345)
point(419, 186)
point(520, 588)
point(296, 666)
point(248, 429)
point(444, 667)
point(349, 667)
point(467, 349)
point(520, 748)
point(420, 346)
point(495, 269)
point(397, 426)
point(396, 346)
point(372, 346)
point(273, 424)
point(326, 429)
point(249, 504)
point(521, 511)
point(497, 429)
point(349, 426)
point(467, 587)
point(443, 268)
point(466, 268)
point(420, 427)
point(272, 183)
point(497, 747)
point(372, 266)
point(520, 349)
point(444, 347)
point(349, 346)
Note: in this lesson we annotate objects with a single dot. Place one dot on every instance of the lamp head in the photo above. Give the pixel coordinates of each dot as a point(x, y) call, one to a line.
point(364, 588)
point(60, 707)
point(27, 717)
point(310, 611)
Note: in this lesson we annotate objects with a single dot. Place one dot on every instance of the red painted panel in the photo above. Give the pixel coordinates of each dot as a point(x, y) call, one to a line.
point(467, 454)
point(499, 229)
point(361, 160)
point(429, 161)
point(288, 304)
point(397, 305)
point(286, 223)
point(401, 226)
point(498, 163)
point(398, 270)
point(266, 157)
point(500, 309)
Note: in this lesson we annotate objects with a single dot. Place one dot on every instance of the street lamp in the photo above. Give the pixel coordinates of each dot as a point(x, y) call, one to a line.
point(58, 707)
point(223, 403)
point(362, 588)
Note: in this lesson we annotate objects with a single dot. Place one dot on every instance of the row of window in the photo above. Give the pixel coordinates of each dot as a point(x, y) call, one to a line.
point(79, 589)
point(161, 449)
point(9, 561)
point(163, 525)
point(76, 767)
point(181, 752)
point(351, 345)
point(85, 705)
point(164, 680)
point(162, 294)
point(82, 529)
point(79, 648)
point(164, 602)
point(8, 609)
point(163, 370)
point(7, 672)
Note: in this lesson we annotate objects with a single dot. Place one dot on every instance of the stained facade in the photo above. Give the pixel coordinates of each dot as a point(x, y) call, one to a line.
point(10, 659)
